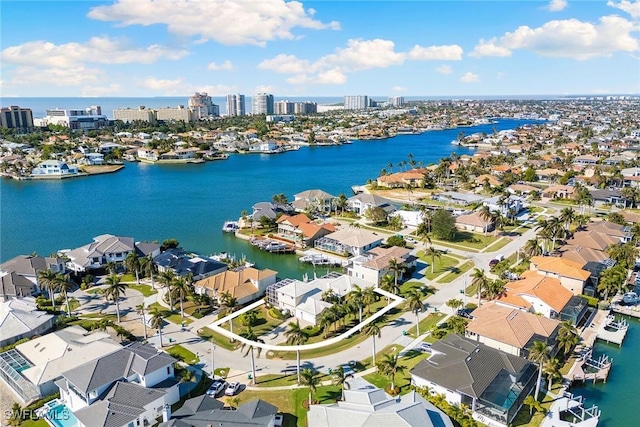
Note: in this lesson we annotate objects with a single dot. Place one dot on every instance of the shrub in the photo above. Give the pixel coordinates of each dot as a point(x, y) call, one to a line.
point(438, 333)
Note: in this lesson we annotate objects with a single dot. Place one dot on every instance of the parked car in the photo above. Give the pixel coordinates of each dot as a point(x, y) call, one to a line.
point(464, 312)
point(411, 240)
point(216, 388)
point(232, 389)
point(425, 347)
point(493, 262)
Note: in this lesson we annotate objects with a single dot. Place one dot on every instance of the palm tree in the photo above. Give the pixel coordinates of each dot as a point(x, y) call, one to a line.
point(454, 303)
point(433, 253)
point(485, 214)
point(111, 267)
point(538, 354)
point(132, 263)
point(47, 280)
point(325, 320)
point(140, 308)
point(148, 267)
point(388, 284)
point(339, 377)
point(373, 330)
point(390, 367)
point(481, 281)
point(568, 337)
point(251, 336)
point(415, 305)
point(309, 377)
point(228, 304)
point(296, 336)
point(369, 296)
point(457, 325)
point(398, 269)
point(532, 403)
point(532, 248)
point(182, 288)
point(567, 216)
point(552, 370)
point(168, 278)
point(341, 202)
point(64, 285)
point(356, 298)
point(114, 290)
point(156, 320)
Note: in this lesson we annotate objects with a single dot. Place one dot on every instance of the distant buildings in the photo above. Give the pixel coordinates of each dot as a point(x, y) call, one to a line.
point(356, 102)
point(396, 101)
point(129, 115)
point(288, 107)
point(263, 104)
point(87, 119)
point(179, 113)
point(235, 105)
point(15, 117)
point(203, 107)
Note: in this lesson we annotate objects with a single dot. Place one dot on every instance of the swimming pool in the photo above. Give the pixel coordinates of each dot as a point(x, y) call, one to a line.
point(59, 415)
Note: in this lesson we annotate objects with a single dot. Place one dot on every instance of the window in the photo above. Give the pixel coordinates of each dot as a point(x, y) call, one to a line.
point(168, 370)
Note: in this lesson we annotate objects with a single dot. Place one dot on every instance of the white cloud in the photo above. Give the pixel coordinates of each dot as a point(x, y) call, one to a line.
point(444, 69)
point(557, 5)
point(99, 50)
point(358, 55)
point(631, 7)
point(165, 85)
point(226, 65)
point(569, 38)
point(398, 89)
point(230, 22)
point(74, 76)
point(469, 77)
point(264, 89)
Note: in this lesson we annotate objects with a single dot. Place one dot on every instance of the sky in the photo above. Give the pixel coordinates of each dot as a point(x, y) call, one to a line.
point(143, 48)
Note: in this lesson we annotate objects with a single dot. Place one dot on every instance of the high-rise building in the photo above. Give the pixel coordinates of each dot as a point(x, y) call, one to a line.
point(262, 104)
point(15, 117)
point(396, 101)
point(87, 119)
point(235, 105)
point(288, 107)
point(179, 114)
point(203, 106)
point(129, 115)
point(284, 107)
point(356, 102)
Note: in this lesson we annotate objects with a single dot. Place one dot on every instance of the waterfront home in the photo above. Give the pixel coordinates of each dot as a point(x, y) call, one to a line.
point(94, 158)
point(104, 248)
point(267, 147)
point(558, 192)
point(245, 284)
point(146, 154)
point(373, 407)
point(374, 265)
point(270, 210)
point(363, 201)
point(510, 329)
point(20, 318)
point(475, 223)
point(570, 273)
point(31, 368)
point(128, 387)
point(54, 168)
point(478, 376)
point(314, 200)
point(19, 275)
point(414, 178)
point(304, 300)
point(301, 230)
point(206, 411)
point(178, 155)
point(183, 264)
point(353, 241)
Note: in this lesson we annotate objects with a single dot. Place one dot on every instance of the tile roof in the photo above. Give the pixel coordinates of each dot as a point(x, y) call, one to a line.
point(354, 237)
point(473, 219)
point(255, 413)
point(560, 266)
point(383, 256)
point(239, 283)
point(593, 240)
point(582, 255)
point(20, 316)
point(547, 289)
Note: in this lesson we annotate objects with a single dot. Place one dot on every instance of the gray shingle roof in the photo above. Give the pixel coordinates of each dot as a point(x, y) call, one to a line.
point(256, 413)
point(197, 404)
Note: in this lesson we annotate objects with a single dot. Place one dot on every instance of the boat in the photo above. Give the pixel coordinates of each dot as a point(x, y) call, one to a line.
point(631, 298)
point(275, 247)
point(230, 226)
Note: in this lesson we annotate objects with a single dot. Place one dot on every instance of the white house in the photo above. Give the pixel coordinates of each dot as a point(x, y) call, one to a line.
point(54, 168)
point(313, 199)
point(104, 248)
point(375, 264)
point(363, 201)
point(354, 241)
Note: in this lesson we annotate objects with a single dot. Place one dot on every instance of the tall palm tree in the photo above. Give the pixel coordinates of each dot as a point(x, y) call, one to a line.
point(156, 320)
point(228, 304)
point(339, 377)
point(148, 267)
point(398, 268)
point(390, 367)
point(373, 330)
point(141, 309)
point(356, 299)
point(168, 279)
point(552, 370)
point(481, 281)
point(182, 289)
point(568, 337)
point(296, 336)
point(64, 285)
point(567, 216)
point(369, 296)
point(433, 253)
point(132, 263)
point(325, 320)
point(341, 202)
point(485, 214)
point(532, 248)
point(47, 281)
point(415, 305)
point(251, 336)
point(111, 267)
point(539, 355)
point(114, 290)
point(309, 377)
point(388, 284)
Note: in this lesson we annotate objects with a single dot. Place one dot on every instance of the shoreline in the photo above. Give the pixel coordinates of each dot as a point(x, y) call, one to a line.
point(87, 171)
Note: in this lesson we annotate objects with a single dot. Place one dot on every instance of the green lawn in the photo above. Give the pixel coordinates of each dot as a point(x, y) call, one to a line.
point(127, 277)
point(469, 241)
point(279, 380)
point(181, 353)
point(499, 244)
point(441, 265)
point(171, 317)
point(426, 323)
point(264, 323)
point(220, 340)
point(145, 290)
point(457, 272)
point(403, 381)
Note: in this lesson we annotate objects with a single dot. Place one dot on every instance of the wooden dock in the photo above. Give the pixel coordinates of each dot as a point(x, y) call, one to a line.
point(627, 310)
point(612, 330)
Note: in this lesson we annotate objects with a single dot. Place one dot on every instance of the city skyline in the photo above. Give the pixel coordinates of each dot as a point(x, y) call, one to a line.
point(151, 48)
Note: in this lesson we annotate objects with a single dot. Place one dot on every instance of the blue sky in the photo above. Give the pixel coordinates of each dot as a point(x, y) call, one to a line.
point(316, 48)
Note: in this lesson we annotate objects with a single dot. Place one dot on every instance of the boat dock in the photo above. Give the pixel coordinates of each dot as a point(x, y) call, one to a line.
point(627, 310)
point(273, 246)
point(586, 368)
point(316, 258)
point(612, 330)
point(569, 411)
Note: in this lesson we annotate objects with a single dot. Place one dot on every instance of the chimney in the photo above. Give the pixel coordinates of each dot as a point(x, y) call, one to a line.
point(166, 413)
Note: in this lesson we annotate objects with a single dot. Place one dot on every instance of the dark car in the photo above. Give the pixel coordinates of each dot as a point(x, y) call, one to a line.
point(493, 262)
point(464, 312)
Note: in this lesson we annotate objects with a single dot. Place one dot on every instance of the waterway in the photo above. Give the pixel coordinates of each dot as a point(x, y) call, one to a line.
point(618, 398)
point(191, 202)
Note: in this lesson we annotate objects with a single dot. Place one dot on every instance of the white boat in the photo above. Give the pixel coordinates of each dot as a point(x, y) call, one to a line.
point(230, 227)
point(275, 246)
point(631, 298)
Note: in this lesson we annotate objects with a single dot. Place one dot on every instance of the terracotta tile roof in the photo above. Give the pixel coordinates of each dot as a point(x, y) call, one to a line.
point(239, 284)
point(510, 326)
point(630, 216)
point(492, 179)
point(547, 289)
point(608, 228)
point(592, 240)
point(582, 255)
point(384, 255)
point(560, 266)
point(294, 220)
point(473, 219)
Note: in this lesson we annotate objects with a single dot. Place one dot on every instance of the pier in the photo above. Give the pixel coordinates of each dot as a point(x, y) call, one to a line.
point(612, 330)
point(316, 258)
point(627, 310)
point(586, 368)
point(569, 411)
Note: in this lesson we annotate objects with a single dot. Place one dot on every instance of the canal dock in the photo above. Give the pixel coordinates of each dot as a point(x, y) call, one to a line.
point(612, 330)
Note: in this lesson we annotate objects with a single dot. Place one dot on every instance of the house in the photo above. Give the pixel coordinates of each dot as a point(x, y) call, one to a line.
point(592, 240)
point(510, 329)
point(130, 386)
point(354, 241)
point(104, 248)
point(148, 154)
point(243, 283)
point(456, 198)
point(304, 299)
point(570, 273)
point(586, 160)
point(31, 368)
point(617, 231)
point(409, 218)
point(373, 407)
point(302, 230)
point(558, 192)
point(20, 318)
point(608, 197)
point(582, 255)
point(475, 223)
point(413, 178)
point(490, 180)
point(549, 174)
point(478, 376)
point(54, 168)
point(19, 275)
point(270, 210)
point(183, 263)
point(375, 264)
point(179, 155)
point(522, 189)
point(507, 206)
point(363, 201)
point(313, 200)
point(204, 411)
point(94, 158)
